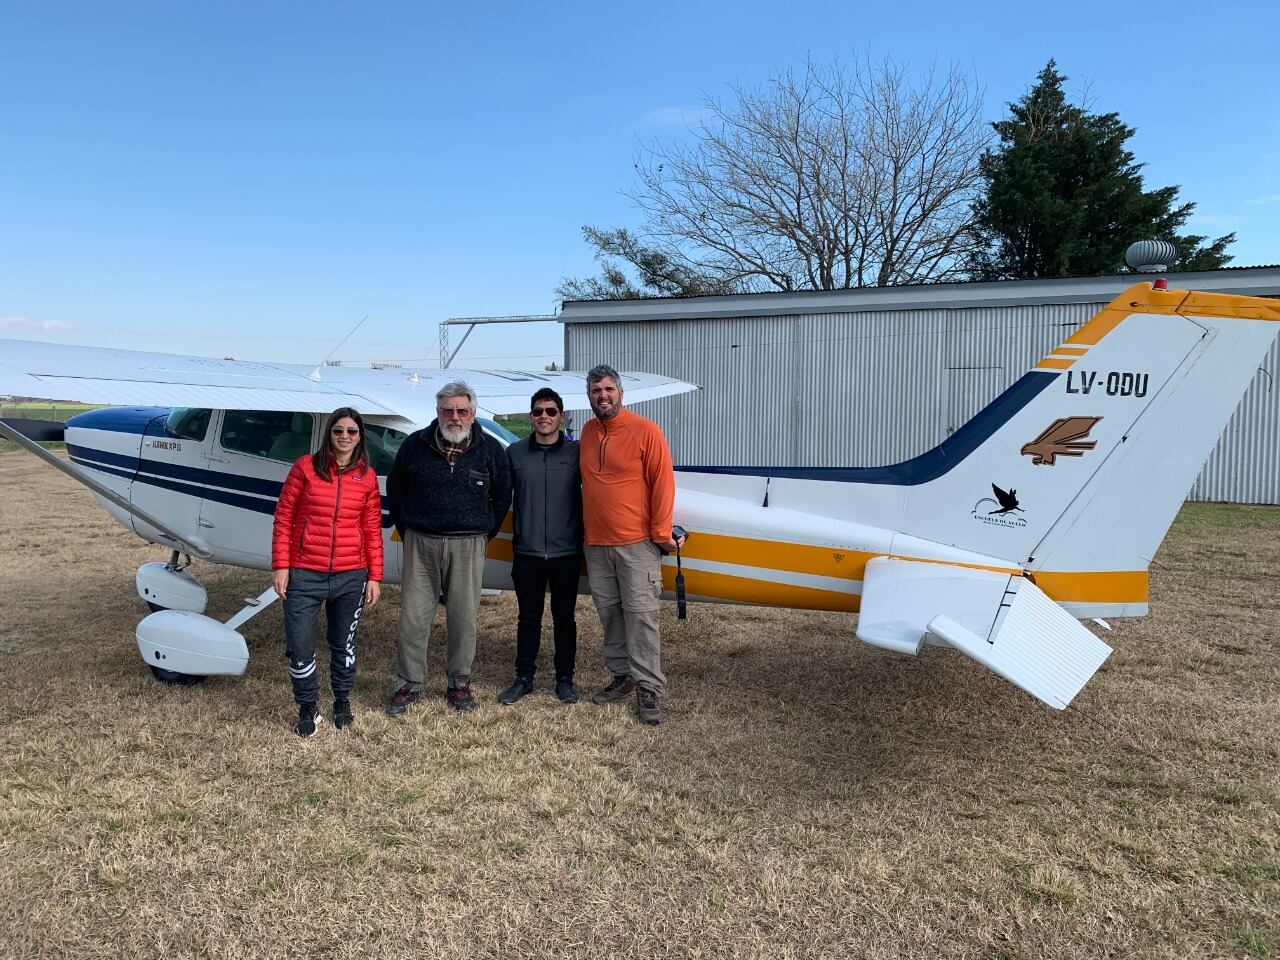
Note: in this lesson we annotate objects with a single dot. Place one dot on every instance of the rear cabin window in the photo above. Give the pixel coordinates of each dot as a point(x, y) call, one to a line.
point(268, 433)
point(189, 423)
point(383, 443)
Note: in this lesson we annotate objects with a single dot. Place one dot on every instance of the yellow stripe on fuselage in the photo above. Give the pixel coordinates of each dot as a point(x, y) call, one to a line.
point(1105, 586)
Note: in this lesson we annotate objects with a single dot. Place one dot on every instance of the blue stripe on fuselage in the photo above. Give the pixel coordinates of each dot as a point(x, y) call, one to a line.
point(929, 465)
point(192, 481)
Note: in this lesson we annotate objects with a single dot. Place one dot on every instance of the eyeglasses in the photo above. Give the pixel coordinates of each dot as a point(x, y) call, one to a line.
point(454, 411)
point(545, 412)
point(349, 431)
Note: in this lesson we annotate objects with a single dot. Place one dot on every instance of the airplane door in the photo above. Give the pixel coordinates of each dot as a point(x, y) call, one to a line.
point(383, 444)
point(167, 482)
point(247, 462)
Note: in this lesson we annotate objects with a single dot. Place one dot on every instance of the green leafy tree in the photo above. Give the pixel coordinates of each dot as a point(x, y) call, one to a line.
point(1064, 196)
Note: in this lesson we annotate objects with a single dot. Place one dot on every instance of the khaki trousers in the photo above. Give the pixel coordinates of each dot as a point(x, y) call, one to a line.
point(434, 566)
point(626, 584)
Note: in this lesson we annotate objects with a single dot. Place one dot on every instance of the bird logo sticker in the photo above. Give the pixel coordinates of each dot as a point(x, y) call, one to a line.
point(1001, 511)
point(1065, 437)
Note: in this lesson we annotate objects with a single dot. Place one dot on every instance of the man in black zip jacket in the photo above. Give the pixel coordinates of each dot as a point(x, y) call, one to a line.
point(448, 494)
point(547, 543)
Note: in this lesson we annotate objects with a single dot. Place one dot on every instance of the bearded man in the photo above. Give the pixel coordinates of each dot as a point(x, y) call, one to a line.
point(448, 494)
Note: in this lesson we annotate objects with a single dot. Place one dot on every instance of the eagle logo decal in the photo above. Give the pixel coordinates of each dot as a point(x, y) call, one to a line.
point(1065, 437)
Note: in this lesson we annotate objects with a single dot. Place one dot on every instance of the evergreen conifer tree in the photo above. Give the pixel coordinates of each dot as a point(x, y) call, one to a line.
point(1064, 196)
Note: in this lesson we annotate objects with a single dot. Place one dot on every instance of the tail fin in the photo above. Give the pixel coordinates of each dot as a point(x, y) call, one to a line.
point(1083, 463)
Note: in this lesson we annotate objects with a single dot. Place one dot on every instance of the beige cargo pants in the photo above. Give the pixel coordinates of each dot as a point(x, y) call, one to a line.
point(626, 585)
point(434, 566)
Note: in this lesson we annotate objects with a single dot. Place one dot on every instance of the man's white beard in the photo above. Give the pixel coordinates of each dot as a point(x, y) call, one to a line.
point(454, 434)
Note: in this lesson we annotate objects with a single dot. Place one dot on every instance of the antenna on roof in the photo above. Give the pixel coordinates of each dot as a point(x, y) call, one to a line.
point(315, 374)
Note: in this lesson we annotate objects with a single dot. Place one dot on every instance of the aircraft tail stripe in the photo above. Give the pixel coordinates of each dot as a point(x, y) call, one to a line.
point(929, 465)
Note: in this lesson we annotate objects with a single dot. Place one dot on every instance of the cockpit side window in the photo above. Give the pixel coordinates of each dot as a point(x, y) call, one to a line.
point(274, 434)
point(383, 443)
point(188, 423)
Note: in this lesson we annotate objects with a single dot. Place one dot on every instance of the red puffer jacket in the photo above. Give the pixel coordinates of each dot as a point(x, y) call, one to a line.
point(332, 525)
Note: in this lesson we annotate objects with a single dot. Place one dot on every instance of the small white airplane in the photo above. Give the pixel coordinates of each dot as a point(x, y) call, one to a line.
point(1044, 509)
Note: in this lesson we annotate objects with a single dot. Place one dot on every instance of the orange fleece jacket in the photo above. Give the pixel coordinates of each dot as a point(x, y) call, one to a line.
point(628, 486)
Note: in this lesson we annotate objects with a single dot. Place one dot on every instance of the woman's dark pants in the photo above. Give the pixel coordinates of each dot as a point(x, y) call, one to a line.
point(342, 595)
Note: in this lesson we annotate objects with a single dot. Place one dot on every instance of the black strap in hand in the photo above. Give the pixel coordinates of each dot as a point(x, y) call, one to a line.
point(681, 605)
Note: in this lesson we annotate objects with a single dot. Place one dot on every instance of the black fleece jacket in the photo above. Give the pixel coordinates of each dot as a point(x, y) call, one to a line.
point(466, 500)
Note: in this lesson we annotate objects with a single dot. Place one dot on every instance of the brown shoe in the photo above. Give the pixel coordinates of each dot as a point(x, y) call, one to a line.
point(618, 688)
point(459, 695)
point(647, 707)
point(401, 699)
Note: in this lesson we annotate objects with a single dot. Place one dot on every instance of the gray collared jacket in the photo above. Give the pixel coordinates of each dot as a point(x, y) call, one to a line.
point(548, 497)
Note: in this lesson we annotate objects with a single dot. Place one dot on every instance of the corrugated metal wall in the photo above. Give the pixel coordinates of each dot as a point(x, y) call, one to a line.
point(834, 385)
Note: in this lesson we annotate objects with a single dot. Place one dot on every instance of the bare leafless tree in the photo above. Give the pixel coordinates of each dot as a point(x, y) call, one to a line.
point(830, 177)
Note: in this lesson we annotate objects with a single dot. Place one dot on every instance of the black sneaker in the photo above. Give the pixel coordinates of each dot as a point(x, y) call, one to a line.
point(342, 715)
point(565, 690)
point(618, 688)
point(459, 695)
point(522, 687)
point(308, 720)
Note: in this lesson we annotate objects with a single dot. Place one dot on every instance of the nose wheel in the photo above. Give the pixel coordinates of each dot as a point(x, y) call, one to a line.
point(171, 678)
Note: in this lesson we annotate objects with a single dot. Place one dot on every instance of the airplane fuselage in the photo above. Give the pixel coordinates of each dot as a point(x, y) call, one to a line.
point(192, 470)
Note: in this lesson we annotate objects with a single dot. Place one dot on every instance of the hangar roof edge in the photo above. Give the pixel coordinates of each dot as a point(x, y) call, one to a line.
point(1251, 281)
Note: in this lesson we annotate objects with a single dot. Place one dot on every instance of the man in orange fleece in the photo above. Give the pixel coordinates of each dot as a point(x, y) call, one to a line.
point(628, 492)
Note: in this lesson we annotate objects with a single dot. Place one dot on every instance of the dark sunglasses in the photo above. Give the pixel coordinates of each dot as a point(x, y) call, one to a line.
point(349, 431)
point(545, 412)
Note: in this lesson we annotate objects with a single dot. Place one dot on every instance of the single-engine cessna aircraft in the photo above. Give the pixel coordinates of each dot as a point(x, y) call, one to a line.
point(1044, 509)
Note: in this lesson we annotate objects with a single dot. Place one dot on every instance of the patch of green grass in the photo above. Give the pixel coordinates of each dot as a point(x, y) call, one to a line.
point(1258, 943)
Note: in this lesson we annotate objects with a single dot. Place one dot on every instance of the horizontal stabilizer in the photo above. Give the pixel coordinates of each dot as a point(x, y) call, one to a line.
point(1002, 620)
point(1036, 645)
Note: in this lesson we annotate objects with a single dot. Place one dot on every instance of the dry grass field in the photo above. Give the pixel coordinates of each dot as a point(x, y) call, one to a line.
point(806, 796)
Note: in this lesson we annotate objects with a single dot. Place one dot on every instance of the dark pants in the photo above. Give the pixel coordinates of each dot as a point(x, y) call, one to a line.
point(343, 597)
point(531, 575)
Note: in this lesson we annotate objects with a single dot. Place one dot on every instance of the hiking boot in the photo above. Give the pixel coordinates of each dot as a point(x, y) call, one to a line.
point(522, 687)
point(565, 690)
point(618, 688)
point(401, 699)
point(459, 695)
point(647, 707)
point(308, 720)
point(342, 715)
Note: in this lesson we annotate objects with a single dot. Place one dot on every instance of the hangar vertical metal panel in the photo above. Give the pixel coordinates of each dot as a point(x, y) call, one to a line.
point(875, 387)
point(1245, 465)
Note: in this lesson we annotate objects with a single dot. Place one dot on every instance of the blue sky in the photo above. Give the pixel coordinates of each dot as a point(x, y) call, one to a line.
point(253, 179)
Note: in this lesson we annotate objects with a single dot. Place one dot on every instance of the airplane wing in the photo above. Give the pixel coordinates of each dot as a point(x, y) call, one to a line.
point(1002, 620)
point(51, 371)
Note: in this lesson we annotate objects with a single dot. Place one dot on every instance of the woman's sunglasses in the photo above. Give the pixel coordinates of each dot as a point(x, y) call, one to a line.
point(349, 431)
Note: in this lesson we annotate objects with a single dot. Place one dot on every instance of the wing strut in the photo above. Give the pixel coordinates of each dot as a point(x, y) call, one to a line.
point(102, 490)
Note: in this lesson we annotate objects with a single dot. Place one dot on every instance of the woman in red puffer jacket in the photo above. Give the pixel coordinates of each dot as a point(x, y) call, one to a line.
point(326, 549)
